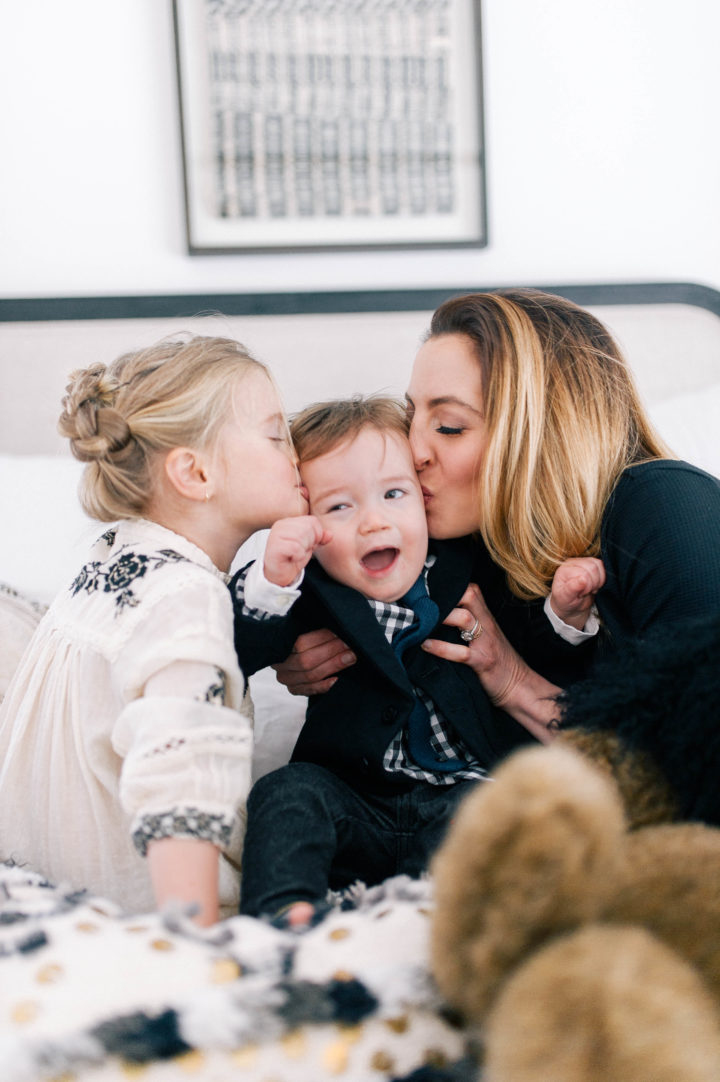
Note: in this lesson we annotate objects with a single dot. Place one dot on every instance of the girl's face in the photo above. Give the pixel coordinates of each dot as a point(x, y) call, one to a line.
point(447, 432)
point(255, 479)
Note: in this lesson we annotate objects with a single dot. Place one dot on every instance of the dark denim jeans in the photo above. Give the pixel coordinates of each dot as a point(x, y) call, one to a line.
point(309, 830)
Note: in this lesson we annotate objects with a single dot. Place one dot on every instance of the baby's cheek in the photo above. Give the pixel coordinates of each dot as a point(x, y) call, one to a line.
point(328, 555)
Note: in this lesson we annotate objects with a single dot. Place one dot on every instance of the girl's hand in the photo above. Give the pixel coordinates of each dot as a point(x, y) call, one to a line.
point(186, 870)
point(312, 666)
point(508, 680)
point(290, 545)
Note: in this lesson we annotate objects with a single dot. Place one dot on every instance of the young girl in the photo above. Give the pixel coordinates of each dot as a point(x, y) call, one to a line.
point(126, 733)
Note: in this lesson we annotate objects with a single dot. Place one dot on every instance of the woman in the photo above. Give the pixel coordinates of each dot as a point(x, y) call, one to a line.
point(528, 432)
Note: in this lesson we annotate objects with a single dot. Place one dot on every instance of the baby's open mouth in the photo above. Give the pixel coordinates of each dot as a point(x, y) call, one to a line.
point(379, 559)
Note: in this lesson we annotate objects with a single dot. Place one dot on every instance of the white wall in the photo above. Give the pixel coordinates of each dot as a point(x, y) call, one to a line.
point(603, 157)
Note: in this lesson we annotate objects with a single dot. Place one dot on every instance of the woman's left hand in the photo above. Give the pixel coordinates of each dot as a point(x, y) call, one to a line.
point(508, 680)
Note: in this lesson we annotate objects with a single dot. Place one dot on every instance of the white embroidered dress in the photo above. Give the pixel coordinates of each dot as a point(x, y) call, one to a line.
point(127, 720)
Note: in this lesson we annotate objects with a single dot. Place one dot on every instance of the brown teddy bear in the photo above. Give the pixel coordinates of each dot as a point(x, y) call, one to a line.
point(577, 918)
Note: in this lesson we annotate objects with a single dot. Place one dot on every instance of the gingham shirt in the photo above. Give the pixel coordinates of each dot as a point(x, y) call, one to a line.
point(392, 618)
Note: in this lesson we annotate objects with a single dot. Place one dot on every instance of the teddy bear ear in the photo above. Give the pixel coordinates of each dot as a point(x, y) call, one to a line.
point(531, 854)
point(604, 1002)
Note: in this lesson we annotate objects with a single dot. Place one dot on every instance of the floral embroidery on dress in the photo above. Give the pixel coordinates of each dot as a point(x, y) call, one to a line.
point(187, 823)
point(216, 693)
point(118, 575)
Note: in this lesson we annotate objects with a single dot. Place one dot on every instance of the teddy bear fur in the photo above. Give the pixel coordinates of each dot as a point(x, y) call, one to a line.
point(577, 913)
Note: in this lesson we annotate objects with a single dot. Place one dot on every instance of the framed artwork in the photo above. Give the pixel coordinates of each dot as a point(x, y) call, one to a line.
point(331, 124)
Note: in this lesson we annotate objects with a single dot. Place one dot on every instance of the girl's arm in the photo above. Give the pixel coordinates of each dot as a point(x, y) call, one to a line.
point(186, 870)
point(185, 777)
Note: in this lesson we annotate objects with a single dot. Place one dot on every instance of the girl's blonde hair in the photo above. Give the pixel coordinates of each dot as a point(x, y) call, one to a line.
point(323, 426)
point(119, 417)
point(563, 420)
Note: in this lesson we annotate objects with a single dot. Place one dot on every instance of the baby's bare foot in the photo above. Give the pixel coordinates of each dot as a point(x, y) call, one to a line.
point(300, 914)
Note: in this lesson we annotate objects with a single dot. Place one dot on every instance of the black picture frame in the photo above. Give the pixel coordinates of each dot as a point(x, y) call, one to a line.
point(313, 125)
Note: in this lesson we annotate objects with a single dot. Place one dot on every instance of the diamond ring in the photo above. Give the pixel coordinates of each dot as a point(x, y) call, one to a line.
point(474, 632)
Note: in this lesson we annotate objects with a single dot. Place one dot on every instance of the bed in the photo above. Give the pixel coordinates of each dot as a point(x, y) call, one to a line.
point(91, 995)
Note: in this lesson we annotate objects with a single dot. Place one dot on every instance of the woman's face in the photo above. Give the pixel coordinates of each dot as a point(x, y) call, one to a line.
point(447, 432)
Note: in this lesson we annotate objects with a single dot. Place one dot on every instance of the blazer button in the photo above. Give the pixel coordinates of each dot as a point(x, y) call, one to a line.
point(389, 714)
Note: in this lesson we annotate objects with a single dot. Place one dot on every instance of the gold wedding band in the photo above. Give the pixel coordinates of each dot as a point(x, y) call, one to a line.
point(474, 632)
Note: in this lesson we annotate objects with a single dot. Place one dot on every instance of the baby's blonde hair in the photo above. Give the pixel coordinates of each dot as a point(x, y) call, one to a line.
point(323, 426)
point(563, 420)
point(119, 417)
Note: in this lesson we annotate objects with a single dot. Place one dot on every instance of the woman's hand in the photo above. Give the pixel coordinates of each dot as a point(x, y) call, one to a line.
point(313, 665)
point(508, 680)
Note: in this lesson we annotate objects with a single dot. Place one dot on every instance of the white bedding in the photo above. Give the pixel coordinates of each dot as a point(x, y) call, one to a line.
point(88, 995)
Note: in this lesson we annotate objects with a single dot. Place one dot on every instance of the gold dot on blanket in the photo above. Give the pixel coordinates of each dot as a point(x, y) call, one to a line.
point(342, 975)
point(399, 1024)
point(294, 1044)
point(382, 1061)
point(335, 1057)
point(133, 1070)
point(191, 1062)
point(339, 933)
point(136, 928)
point(24, 1012)
point(435, 1057)
point(244, 1057)
point(350, 1034)
point(87, 926)
point(49, 974)
point(162, 945)
point(224, 971)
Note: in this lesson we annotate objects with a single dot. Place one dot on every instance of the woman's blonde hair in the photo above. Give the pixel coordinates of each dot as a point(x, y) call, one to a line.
point(323, 426)
point(119, 417)
point(563, 420)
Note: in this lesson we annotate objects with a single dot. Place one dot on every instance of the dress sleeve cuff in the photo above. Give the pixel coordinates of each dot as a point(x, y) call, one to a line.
point(183, 822)
point(571, 634)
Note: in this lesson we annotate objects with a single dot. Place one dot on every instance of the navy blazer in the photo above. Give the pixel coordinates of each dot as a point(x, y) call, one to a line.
point(348, 728)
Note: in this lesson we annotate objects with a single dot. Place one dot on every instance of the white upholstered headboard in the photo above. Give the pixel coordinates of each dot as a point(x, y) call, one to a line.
point(318, 345)
point(321, 345)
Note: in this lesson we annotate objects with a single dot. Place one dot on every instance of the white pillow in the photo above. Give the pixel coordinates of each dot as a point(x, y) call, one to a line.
point(45, 533)
point(18, 619)
point(690, 424)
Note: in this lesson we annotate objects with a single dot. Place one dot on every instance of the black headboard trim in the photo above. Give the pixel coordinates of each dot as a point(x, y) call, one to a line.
point(184, 305)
